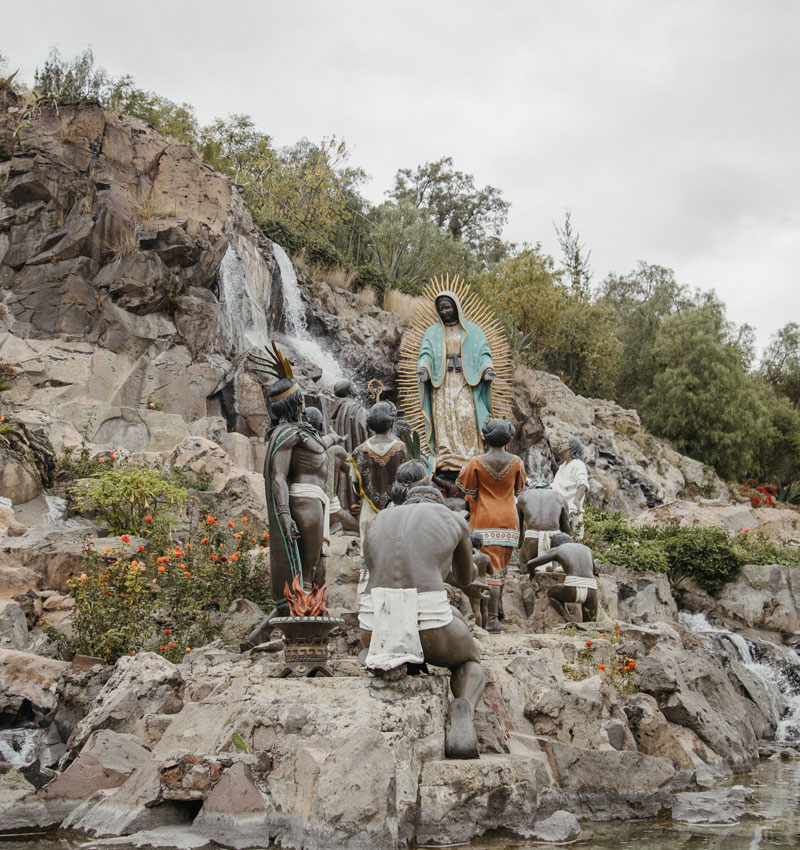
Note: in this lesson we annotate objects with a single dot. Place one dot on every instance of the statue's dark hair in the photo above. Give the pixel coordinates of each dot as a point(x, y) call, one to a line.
point(287, 409)
point(559, 539)
point(380, 417)
point(401, 425)
point(444, 297)
point(344, 388)
point(476, 539)
point(424, 494)
point(412, 473)
point(314, 418)
point(497, 432)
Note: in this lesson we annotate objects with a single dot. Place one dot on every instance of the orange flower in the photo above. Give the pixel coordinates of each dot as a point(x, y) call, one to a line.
point(113, 457)
point(103, 460)
point(155, 581)
point(106, 549)
point(148, 518)
point(162, 559)
point(181, 566)
point(261, 548)
point(210, 520)
point(126, 538)
point(166, 631)
point(141, 548)
point(252, 540)
point(631, 664)
point(186, 574)
point(188, 649)
point(235, 556)
point(601, 666)
point(204, 540)
point(231, 523)
point(171, 644)
point(237, 536)
point(244, 519)
point(84, 577)
point(162, 569)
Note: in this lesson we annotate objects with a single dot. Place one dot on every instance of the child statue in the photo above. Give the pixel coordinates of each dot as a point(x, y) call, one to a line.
point(580, 584)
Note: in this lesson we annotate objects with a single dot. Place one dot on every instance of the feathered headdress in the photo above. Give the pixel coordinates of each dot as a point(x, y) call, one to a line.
point(276, 366)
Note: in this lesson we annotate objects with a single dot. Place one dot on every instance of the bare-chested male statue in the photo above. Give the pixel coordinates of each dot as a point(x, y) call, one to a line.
point(580, 584)
point(542, 511)
point(295, 473)
point(409, 550)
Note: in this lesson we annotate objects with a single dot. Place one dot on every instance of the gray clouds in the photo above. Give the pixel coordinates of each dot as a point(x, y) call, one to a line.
point(669, 129)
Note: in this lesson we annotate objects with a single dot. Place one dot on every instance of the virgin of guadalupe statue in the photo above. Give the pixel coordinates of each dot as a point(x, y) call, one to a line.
point(453, 374)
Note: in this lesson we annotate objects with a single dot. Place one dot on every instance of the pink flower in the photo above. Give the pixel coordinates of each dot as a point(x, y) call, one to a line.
point(84, 577)
point(746, 529)
point(152, 404)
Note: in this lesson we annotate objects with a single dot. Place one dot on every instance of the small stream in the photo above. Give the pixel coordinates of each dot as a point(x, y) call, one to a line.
point(777, 800)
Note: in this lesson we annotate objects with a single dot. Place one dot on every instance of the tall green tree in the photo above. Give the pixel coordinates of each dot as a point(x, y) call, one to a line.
point(781, 362)
point(455, 204)
point(701, 397)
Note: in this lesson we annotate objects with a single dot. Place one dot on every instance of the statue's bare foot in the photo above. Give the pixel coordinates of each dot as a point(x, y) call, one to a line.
point(493, 626)
point(461, 742)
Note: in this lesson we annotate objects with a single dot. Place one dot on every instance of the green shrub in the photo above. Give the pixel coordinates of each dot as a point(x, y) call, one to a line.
point(371, 275)
point(167, 598)
point(321, 253)
point(276, 229)
point(129, 498)
point(637, 556)
point(756, 548)
point(707, 555)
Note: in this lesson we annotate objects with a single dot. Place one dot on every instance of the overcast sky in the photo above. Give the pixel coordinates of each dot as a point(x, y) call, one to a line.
point(670, 129)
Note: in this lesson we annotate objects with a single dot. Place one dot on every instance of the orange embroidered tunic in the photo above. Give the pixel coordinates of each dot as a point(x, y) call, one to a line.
point(490, 495)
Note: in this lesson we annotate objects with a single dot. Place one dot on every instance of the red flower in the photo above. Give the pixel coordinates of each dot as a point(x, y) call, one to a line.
point(148, 518)
point(166, 631)
point(631, 664)
point(589, 643)
point(231, 523)
point(126, 538)
point(141, 548)
point(170, 644)
point(244, 519)
point(601, 666)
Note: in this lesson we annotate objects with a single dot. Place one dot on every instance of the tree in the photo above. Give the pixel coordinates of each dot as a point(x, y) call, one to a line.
point(470, 215)
point(701, 398)
point(177, 121)
point(564, 330)
point(409, 248)
point(60, 81)
point(640, 301)
point(781, 362)
point(575, 257)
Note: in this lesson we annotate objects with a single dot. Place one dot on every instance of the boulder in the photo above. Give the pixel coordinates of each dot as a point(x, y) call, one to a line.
point(560, 828)
point(28, 686)
point(723, 806)
point(461, 800)
point(140, 685)
point(13, 626)
point(106, 760)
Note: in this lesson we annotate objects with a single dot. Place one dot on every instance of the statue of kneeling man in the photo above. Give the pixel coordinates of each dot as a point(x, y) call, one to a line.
point(404, 614)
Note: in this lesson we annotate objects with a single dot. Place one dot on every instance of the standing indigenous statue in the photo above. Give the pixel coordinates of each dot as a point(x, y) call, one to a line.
point(348, 418)
point(453, 374)
point(572, 482)
point(543, 512)
point(580, 584)
point(337, 463)
point(477, 592)
point(405, 616)
point(295, 473)
point(490, 484)
point(373, 466)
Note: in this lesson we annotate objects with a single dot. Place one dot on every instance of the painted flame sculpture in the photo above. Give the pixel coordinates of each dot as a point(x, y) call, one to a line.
point(302, 604)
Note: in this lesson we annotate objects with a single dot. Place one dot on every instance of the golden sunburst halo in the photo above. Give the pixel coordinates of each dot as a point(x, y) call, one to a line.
point(476, 310)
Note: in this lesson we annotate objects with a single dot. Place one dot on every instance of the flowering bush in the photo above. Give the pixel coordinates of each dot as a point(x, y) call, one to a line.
point(760, 495)
point(165, 598)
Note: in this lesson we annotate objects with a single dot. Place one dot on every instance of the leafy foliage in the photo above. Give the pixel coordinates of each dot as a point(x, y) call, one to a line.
point(122, 496)
point(166, 598)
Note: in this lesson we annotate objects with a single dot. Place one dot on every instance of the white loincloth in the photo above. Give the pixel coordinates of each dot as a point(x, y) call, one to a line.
point(336, 505)
point(542, 536)
point(582, 586)
point(311, 491)
point(395, 616)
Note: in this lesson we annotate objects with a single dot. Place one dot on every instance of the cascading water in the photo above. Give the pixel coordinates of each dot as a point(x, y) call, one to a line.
point(295, 317)
point(776, 666)
point(245, 308)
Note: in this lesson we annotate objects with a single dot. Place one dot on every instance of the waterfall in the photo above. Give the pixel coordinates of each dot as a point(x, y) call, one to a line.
point(245, 308)
point(18, 746)
point(295, 315)
point(776, 666)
